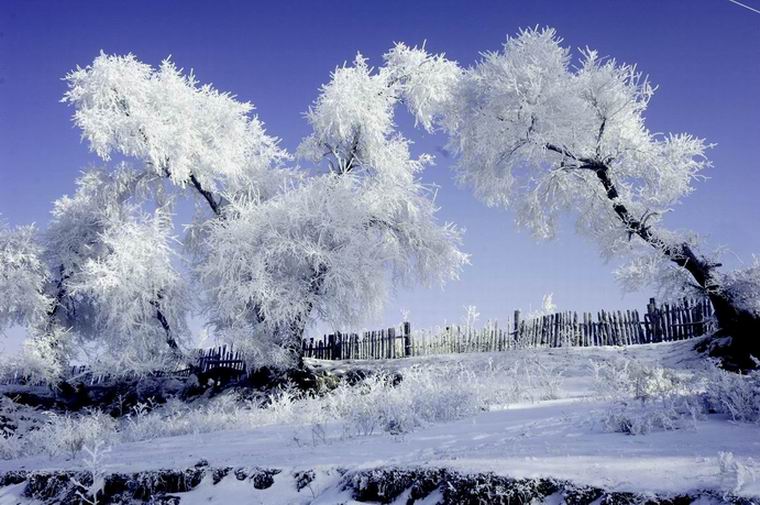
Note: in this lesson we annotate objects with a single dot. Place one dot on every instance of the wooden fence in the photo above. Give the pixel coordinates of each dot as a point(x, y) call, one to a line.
point(665, 323)
point(382, 344)
point(668, 322)
point(220, 363)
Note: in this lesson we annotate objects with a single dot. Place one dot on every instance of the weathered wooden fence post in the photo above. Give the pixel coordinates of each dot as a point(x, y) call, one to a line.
point(517, 327)
point(407, 331)
point(331, 346)
point(654, 333)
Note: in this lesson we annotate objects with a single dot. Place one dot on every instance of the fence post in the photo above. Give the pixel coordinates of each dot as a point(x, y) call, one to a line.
point(517, 326)
point(407, 329)
point(330, 346)
point(654, 321)
point(687, 319)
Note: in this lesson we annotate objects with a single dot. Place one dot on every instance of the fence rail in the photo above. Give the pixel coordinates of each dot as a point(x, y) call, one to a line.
point(668, 322)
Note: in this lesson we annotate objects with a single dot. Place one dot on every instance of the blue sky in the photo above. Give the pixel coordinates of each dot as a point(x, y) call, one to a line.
point(704, 55)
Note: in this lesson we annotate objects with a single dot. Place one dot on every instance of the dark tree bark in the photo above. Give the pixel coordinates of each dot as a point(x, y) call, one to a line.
point(170, 340)
point(214, 203)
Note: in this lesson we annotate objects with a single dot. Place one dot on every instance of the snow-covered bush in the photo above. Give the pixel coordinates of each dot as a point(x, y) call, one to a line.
point(140, 425)
point(735, 395)
point(383, 402)
point(16, 422)
point(422, 396)
point(374, 405)
point(11, 446)
point(69, 434)
point(534, 379)
point(734, 474)
point(437, 393)
point(645, 398)
point(642, 417)
point(94, 462)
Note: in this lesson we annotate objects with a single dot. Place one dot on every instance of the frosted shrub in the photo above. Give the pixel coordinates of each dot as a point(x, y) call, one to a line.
point(285, 406)
point(142, 424)
point(503, 380)
point(734, 394)
point(734, 474)
point(11, 446)
point(69, 434)
point(177, 418)
point(627, 378)
point(16, 422)
point(381, 403)
point(645, 398)
point(424, 395)
point(438, 399)
point(639, 417)
point(224, 412)
point(441, 393)
point(535, 380)
point(360, 406)
point(95, 463)
point(218, 414)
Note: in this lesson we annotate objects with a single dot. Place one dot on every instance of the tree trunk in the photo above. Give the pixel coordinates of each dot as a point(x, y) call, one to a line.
point(296, 329)
point(742, 326)
point(742, 348)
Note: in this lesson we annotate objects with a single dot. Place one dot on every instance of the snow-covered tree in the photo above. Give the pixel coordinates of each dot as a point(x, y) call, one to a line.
point(129, 299)
point(329, 246)
point(280, 247)
point(23, 278)
point(100, 277)
point(26, 300)
point(197, 138)
point(535, 132)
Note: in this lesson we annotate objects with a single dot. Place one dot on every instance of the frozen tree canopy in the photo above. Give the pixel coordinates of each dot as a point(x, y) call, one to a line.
point(282, 245)
point(532, 132)
point(23, 277)
point(192, 134)
point(275, 246)
point(326, 247)
point(102, 272)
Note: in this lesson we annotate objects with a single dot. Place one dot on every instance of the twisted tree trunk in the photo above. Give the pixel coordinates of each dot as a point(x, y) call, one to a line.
point(742, 326)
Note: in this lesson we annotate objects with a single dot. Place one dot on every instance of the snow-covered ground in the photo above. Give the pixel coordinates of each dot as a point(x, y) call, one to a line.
point(559, 438)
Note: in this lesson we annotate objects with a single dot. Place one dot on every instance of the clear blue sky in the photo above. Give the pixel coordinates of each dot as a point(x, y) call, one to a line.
point(704, 54)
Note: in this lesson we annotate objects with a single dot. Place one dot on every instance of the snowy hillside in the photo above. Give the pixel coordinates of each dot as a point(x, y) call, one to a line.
point(557, 413)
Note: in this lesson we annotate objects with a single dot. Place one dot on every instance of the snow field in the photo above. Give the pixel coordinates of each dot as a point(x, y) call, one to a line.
point(653, 418)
